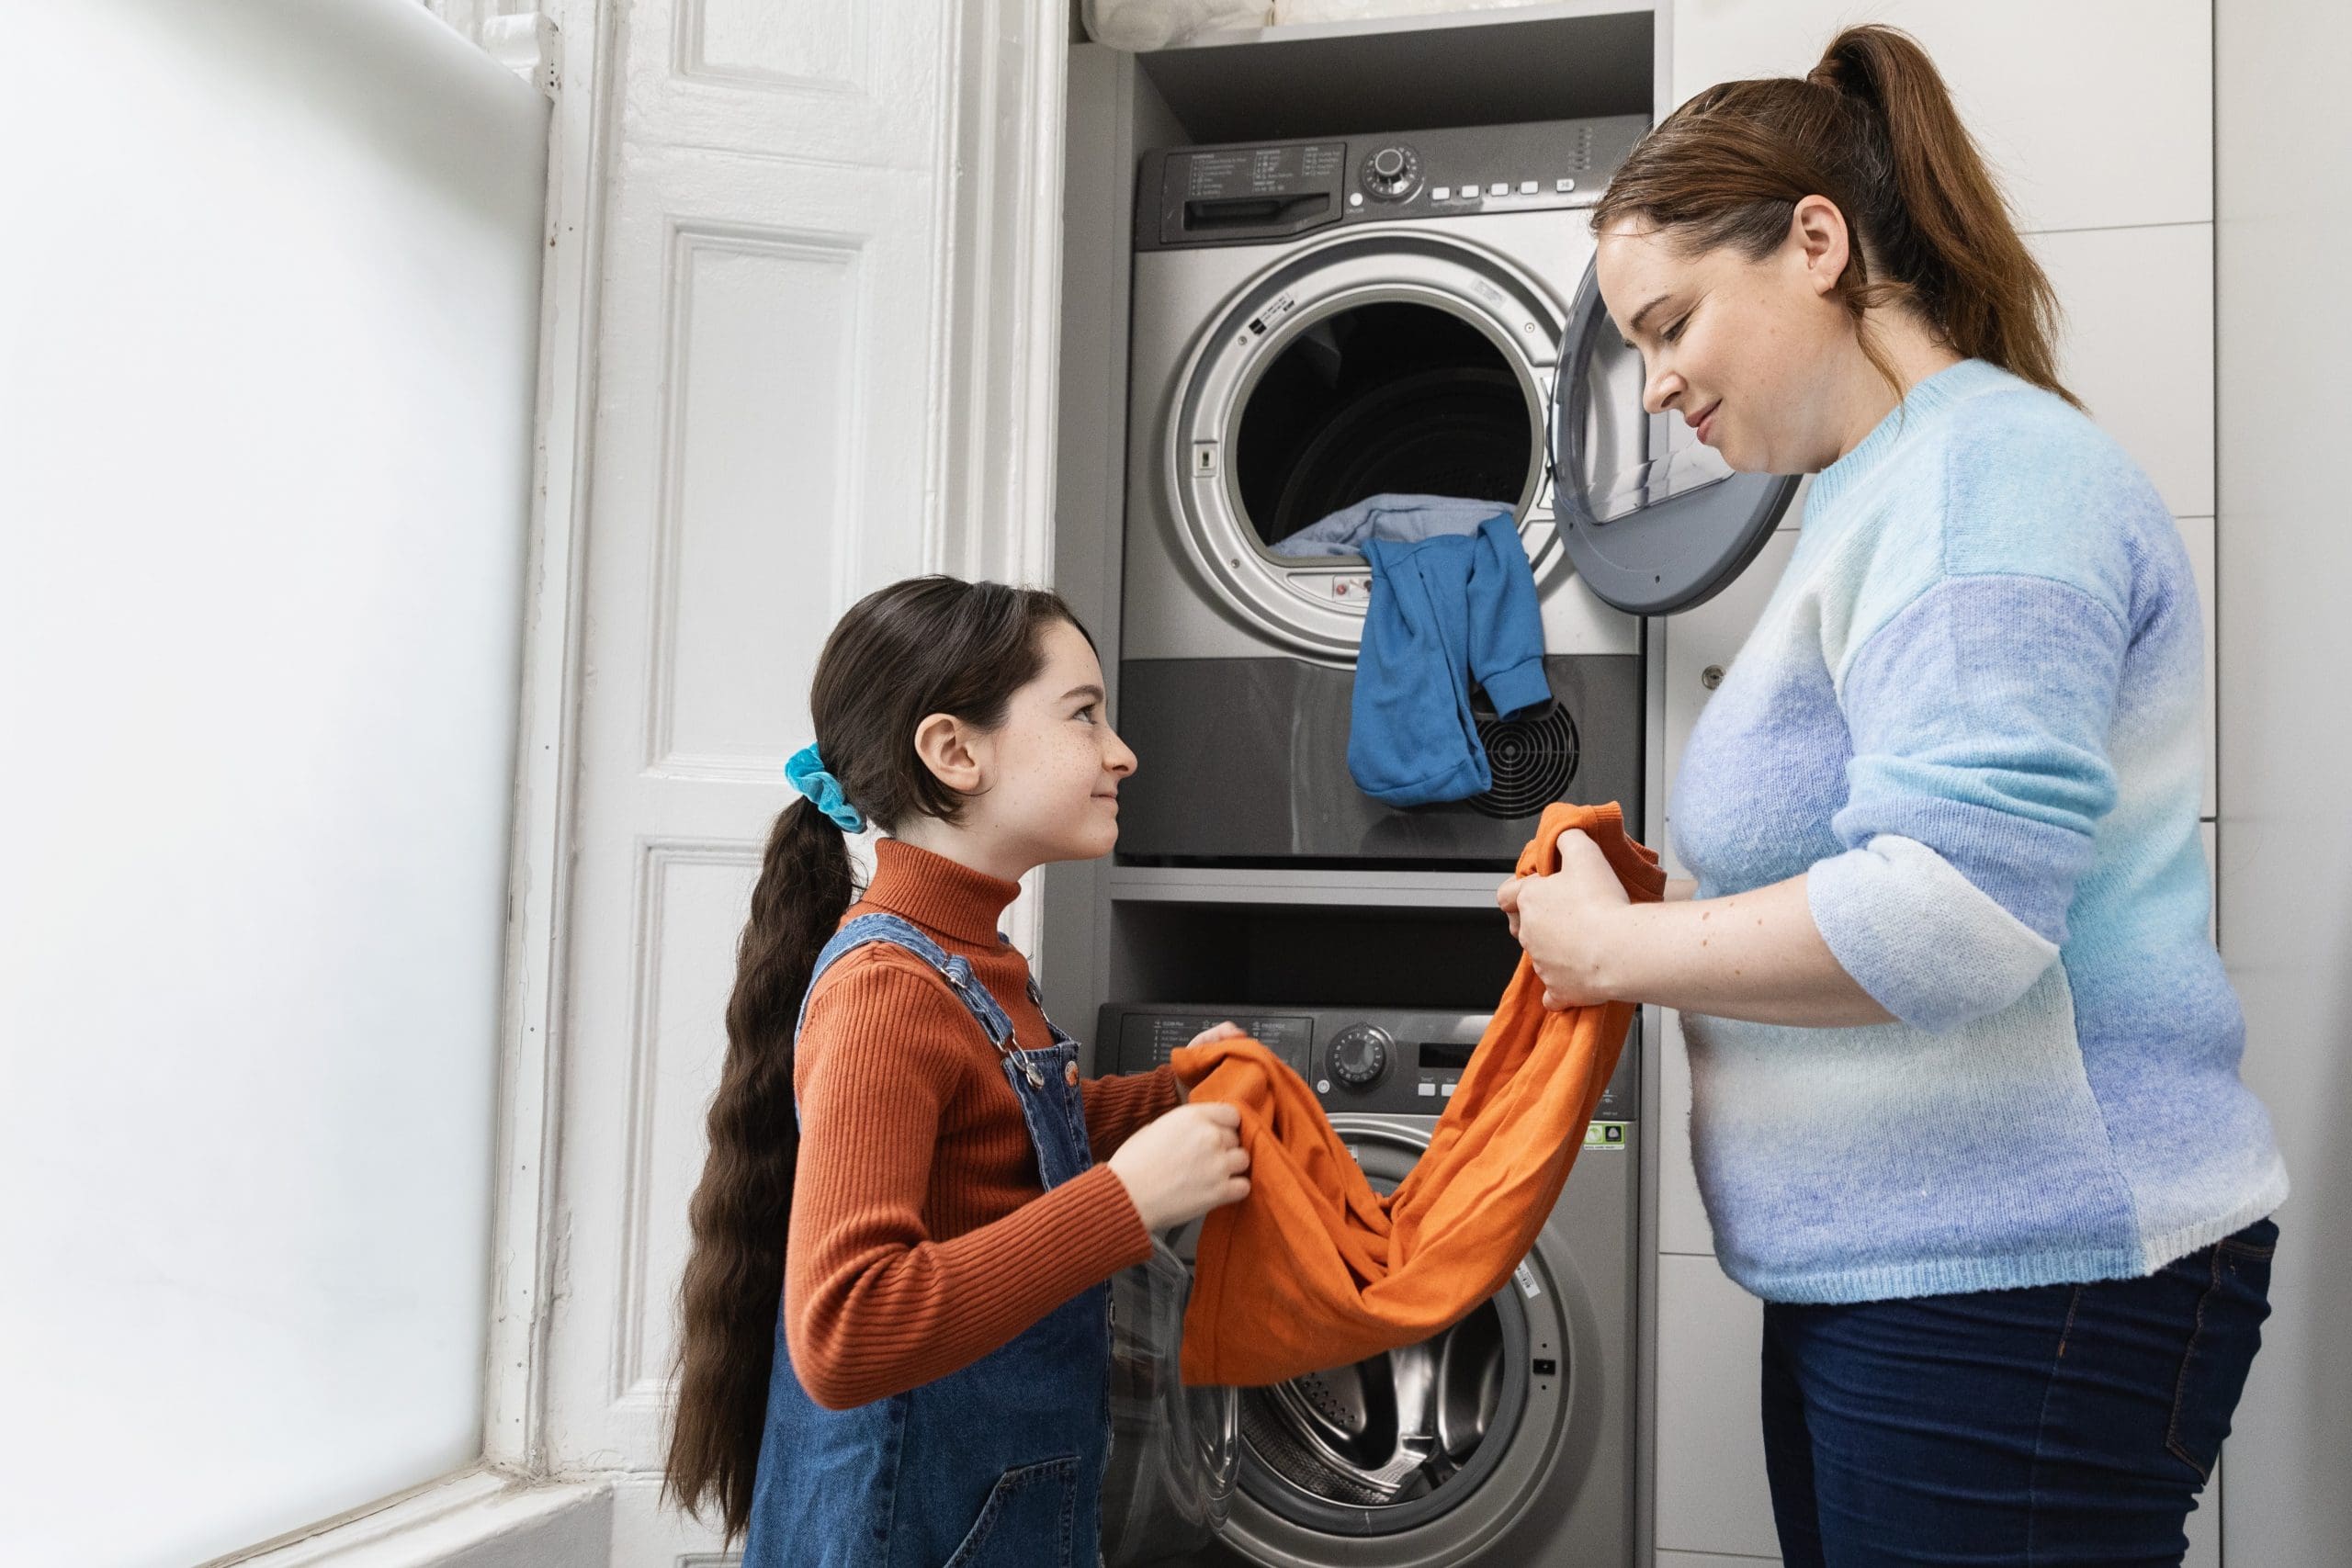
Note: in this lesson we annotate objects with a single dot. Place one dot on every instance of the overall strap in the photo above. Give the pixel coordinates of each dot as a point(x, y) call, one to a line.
point(1037, 1000)
point(953, 968)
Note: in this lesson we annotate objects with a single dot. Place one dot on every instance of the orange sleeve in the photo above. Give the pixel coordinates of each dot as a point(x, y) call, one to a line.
point(1117, 1107)
point(873, 1305)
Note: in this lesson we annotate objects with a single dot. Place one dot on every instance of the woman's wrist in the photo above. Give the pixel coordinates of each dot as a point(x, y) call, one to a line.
point(1623, 963)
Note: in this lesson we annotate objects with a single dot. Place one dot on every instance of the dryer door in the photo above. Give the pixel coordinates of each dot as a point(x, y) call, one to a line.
point(1654, 520)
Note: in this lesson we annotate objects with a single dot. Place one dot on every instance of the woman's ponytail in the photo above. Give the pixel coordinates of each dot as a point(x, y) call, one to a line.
point(1873, 129)
point(734, 1278)
point(929, 645)
point(1941, 226)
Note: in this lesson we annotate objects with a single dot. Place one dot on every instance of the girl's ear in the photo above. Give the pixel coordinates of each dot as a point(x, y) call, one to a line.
point(951, 750)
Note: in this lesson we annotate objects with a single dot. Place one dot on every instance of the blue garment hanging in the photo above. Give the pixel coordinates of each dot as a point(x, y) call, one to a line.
point(1446, 611)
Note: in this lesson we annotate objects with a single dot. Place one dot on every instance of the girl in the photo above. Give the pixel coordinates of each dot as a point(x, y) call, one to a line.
point(935, 1388)
point(1966, 1108)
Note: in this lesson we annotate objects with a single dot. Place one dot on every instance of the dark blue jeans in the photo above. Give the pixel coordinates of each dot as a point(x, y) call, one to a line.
point(2055, 1426)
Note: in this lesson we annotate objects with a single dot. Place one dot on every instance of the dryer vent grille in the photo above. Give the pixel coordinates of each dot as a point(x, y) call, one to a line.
point(1532, 760)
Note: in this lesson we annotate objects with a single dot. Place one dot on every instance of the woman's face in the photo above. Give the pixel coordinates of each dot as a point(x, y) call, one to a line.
point(1747, 352)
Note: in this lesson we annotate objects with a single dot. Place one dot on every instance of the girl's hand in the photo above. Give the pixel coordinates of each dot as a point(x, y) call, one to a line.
point(1228, 1029)
point(1186, 1163)
point(1561, 920)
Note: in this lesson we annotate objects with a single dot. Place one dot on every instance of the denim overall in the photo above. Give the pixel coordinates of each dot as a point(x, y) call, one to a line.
point(998, 1465)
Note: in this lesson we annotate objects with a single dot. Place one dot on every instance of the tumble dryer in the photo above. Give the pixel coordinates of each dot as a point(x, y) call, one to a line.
point(1505, 1440)
point(1319, 321)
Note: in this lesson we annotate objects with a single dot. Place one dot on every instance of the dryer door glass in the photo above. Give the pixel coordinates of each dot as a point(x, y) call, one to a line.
point(1387, 398)
point(1654, 520)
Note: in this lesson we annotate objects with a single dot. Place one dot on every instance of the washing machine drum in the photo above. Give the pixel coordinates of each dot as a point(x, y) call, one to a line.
point(1443, 1443)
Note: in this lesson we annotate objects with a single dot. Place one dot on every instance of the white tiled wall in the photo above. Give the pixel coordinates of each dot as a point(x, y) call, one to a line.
point(2097, 116)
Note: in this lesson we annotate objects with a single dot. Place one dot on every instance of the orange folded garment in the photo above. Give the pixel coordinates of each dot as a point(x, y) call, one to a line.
point(1314, 1270)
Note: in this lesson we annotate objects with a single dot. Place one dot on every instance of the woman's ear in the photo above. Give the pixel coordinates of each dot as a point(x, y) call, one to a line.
point(1819, 239)
point(951, 750)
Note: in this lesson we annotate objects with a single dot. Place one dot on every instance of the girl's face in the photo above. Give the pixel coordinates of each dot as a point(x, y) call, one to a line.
point(1051, 771)
point(1748, 353)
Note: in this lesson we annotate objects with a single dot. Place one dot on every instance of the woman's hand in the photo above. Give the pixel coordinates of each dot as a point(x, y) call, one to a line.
point(1186, 1163)
point(1755, 955)
point(1562, 920)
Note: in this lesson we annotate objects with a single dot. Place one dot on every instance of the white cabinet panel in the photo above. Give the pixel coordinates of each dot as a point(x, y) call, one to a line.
point(2197, 533)
point(763, 388)
point(2205, 1525)
point(1706, 638)
point(831, 82)
point(2212, 834)
point(2137, 346)
point(1681, 1217)
point(1710, 1489)
point(690, 902)
point(2095, 113)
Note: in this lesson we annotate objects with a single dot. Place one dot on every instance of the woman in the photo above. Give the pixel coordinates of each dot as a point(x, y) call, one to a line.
point(1966, 1108)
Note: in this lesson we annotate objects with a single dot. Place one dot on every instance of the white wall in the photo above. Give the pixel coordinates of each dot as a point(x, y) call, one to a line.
point(2284, 144)
point(2097, 116)
point(268, 309)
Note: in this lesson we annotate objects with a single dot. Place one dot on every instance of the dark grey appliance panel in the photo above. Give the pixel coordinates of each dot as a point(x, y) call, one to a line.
point(1263, 193)
point(1244, 762)
point(1421, 1054)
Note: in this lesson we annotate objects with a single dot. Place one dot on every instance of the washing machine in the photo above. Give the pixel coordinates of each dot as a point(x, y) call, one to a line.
point(1504, 1442)
point(1319, 321)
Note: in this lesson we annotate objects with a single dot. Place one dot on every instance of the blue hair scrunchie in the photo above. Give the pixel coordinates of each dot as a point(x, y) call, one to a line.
point(807, 775)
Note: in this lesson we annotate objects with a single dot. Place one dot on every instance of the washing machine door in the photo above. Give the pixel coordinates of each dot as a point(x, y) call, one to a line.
point(1653, 521)
point(1168, 1486)
point(1431, 1452)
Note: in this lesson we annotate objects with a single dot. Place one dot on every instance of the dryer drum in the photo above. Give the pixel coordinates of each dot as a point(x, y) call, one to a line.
point(1390, 397)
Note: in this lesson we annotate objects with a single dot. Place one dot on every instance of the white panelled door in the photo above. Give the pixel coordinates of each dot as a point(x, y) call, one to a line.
point(772, 271)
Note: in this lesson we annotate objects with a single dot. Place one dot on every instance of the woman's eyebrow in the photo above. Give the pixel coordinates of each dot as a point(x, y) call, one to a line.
point(1094, 692)
point(1635, 324)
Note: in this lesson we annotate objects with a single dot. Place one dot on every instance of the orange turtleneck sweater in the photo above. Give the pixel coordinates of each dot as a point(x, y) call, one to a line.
point(921, 1238)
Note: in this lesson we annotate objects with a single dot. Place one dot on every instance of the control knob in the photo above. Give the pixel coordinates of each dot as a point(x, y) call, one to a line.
point(1360, 1055)
point(1392, 173)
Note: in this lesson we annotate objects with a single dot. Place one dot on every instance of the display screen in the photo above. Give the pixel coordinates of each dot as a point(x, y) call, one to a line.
point(1442, 1055)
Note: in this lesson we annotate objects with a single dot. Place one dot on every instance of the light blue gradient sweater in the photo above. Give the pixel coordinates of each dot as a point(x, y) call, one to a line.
point(1971, 713)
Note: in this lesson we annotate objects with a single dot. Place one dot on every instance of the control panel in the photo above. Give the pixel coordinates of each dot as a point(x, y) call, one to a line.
point(1390, 1060)
point(1261, 193)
